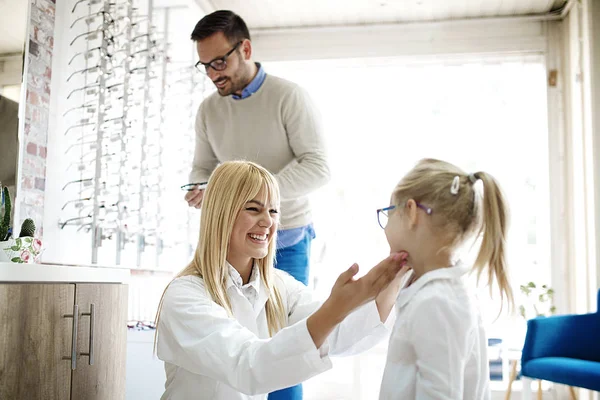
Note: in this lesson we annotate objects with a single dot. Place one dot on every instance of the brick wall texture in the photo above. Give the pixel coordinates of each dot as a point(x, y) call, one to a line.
point(39, 75)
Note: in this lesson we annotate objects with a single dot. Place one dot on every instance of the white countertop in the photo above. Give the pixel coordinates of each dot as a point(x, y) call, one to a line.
point(12, 272)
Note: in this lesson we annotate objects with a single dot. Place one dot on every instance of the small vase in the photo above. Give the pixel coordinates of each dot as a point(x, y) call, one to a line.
point(23, 250)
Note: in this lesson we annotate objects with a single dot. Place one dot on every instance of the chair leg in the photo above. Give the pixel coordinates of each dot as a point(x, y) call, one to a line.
point(511, 379)
point(572, 393)
point(539, 397)
point(526, 391)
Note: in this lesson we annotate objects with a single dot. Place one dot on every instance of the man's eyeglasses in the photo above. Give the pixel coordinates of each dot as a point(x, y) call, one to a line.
point(218, 64)
point(382, 213)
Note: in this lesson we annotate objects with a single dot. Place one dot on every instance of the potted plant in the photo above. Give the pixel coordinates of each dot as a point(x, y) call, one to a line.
point(538, 301)
point(24, 249)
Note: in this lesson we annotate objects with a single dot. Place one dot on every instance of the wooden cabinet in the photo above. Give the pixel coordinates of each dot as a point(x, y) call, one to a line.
point(105, 378)
point(36, 339)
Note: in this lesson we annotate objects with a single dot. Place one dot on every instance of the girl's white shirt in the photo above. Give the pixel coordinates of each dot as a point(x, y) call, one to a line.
point(209, 355)
point(438, 346)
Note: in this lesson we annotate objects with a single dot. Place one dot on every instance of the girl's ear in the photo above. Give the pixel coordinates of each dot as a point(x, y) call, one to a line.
point(410, 213)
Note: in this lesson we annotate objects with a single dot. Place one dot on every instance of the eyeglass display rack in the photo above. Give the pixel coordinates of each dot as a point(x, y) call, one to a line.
point(125, 98)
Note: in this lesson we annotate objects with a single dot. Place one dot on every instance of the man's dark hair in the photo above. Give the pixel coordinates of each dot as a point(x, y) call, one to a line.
point(232, 25)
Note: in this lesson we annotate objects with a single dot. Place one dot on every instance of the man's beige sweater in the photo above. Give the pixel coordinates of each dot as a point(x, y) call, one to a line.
point(277, 127)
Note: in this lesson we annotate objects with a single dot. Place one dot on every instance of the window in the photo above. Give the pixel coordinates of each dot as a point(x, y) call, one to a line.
point(381, 116)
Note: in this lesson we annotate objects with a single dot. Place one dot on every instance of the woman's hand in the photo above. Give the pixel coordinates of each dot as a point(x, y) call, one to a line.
point(349, 293)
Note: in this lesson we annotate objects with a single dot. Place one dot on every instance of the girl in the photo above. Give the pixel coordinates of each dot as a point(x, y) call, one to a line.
point(438, 348)
point(230, 326)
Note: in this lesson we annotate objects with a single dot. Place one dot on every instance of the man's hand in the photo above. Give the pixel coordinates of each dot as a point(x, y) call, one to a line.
point(194, 197)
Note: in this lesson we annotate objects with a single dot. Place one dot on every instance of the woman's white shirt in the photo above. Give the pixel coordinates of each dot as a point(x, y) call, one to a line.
point(438, 346)
point(209, 355)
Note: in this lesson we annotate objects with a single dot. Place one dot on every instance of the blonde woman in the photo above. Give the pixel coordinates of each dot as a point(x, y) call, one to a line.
point(231, 326)
point(438, 348)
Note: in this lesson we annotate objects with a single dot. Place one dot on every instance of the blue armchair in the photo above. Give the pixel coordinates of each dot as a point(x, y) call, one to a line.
point(563, 349)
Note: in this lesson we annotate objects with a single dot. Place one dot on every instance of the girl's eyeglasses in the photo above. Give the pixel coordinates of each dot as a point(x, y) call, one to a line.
point(382, 213)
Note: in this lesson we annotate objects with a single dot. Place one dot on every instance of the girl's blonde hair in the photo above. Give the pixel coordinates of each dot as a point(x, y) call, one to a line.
point(459, 213)
point(230, 187)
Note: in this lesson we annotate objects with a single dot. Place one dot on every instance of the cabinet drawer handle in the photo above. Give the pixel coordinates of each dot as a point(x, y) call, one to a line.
point(91, 314)
point(75, 317)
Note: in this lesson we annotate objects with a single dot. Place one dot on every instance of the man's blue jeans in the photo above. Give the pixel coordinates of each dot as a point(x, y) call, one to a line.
point(294, 260)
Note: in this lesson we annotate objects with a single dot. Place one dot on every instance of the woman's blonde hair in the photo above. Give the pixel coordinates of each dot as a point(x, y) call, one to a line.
point(460, 213)
point(230, 187)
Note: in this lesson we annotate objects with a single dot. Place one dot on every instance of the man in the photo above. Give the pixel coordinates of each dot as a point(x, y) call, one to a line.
point(264, 119)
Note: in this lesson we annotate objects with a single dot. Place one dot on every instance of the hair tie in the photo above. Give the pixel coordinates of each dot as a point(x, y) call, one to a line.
point(455, 185)
point(473, 178)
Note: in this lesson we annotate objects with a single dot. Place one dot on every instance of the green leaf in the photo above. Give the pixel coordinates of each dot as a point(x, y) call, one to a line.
point(531, 285)
point(15, 248)
point(19, 242)
point(28, 239)
point(17, 260)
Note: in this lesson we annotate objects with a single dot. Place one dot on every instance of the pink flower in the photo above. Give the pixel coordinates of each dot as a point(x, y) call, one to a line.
point(25, 255)
point(37, 245)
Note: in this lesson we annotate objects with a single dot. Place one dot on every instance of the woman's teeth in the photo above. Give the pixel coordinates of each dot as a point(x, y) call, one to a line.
point(258, 237)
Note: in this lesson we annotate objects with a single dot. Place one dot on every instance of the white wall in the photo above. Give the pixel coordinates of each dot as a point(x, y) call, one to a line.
point(11, 68)
point(573, 123)
point(594, 44)
point(581, 152)
point(491, 36)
